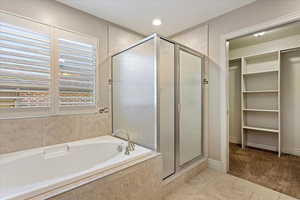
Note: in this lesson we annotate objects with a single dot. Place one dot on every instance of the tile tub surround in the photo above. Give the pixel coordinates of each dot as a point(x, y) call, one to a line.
point(140, 181)
point(213, 185)
point(22, 134)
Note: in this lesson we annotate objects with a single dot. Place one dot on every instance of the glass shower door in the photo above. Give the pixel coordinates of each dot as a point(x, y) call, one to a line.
point(167, 106)
point(190, 109)
point(134, 94)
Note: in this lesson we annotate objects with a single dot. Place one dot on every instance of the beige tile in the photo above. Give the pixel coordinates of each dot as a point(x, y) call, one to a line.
point(88, 191)
point(90, 125)
point(286, 197)
point(59, 129)
point(21, 134)
point(205, 177)
point(189, 189)
point(264, 196)
point(194, 171)
point(258, 192)
point(212, 185)
point(225, 187)
point(28, 133)
point(138, 182)
point(66, 196)
point(179, 196)
point(174, 183)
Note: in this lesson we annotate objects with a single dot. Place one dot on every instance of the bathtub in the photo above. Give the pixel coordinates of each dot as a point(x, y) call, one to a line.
point(31, 173)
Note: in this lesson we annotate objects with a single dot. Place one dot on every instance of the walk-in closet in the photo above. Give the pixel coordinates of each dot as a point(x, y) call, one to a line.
point(264, 106)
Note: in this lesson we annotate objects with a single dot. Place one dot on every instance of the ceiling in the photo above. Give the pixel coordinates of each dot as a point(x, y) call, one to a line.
point(137, 15)
point(272, 34)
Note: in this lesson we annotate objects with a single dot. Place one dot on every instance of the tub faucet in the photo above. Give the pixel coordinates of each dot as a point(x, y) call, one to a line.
point(130, 146)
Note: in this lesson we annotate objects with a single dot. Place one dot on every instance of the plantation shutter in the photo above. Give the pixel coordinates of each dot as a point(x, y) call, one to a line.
point(24, 65)
point(77, 71)
point(45, 70)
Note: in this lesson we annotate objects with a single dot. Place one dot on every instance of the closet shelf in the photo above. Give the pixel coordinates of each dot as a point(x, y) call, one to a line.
point(260, 72)
point(260, 75)
point(261, 110)
point(261, 129)
point(262, 91)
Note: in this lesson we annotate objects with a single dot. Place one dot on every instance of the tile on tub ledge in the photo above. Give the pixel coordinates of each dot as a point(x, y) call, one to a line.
point(141, 181)
point(21, 134)
point(59, 129)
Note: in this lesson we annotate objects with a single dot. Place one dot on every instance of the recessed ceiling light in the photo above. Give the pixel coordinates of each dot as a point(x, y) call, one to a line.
point(156, 22)
point(259, 34)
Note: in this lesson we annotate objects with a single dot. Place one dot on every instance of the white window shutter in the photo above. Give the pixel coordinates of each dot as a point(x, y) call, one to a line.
point(24, 67)
point(77, 65)
point(45, 70)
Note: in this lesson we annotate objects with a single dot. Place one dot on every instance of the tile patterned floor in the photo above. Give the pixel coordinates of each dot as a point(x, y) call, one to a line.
point(213, 185)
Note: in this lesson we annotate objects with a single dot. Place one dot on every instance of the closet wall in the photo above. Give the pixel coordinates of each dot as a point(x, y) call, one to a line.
point(290, 101)
point(235, 101)
point(287, 42)
point(290, 94)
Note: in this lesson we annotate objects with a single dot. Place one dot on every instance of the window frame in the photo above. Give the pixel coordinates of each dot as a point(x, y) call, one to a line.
point(54, 107)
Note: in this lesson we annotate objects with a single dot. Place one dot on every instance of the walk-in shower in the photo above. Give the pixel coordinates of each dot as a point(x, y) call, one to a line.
point(157, 98)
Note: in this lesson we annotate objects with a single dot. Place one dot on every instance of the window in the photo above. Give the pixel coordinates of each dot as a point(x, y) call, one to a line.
point(24, 68)
point(45, 73)
point(77, 67)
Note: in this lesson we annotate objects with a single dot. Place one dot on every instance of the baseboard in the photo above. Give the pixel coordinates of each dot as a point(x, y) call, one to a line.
point(235, 140)
point(216, 165)
point(262, 146)
point(295, 151)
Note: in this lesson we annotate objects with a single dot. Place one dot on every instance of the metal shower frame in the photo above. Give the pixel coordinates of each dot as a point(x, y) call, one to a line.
point(177, 48)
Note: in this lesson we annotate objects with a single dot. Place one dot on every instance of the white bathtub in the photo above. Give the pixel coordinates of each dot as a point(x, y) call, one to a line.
point(27, 174)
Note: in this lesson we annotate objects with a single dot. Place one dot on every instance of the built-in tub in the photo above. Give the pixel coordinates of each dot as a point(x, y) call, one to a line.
point(26, 174)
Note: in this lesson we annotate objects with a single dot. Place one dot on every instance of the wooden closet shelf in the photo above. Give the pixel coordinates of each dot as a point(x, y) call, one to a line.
point(262, 91)
point(260, 72)
point(261, 129)
point(261, 110)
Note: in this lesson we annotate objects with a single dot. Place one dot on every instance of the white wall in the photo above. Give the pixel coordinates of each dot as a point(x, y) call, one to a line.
point(258, 12)
point(20, 134)
point(290, 91)
point(235, 102)
point(196, 38)
point(290, 42)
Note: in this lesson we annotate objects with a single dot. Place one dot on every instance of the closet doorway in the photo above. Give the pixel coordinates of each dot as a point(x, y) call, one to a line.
point(264, 108)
